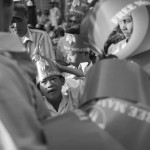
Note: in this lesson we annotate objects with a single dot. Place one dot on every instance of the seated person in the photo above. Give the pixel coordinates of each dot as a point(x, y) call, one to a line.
point(50, 82)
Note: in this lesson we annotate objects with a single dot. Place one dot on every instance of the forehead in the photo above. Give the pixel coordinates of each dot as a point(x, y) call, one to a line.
point(51, 77)
point(127, 17)
point(19, 14)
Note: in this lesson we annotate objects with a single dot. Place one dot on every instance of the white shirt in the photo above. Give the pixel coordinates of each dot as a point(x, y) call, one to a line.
point(6, 142)
point(65, 105)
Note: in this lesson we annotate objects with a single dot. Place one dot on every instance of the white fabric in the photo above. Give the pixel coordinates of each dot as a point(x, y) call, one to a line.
point(65, 105)
point(6, 142)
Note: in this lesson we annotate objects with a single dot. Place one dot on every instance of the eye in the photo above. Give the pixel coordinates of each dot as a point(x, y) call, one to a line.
point(43, 82)
point(53, 78)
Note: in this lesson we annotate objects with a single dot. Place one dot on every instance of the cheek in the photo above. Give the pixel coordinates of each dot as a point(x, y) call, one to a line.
point(43, 88)
point(130, 27)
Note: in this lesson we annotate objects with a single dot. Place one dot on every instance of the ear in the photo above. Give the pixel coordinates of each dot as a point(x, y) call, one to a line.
point(62, 80)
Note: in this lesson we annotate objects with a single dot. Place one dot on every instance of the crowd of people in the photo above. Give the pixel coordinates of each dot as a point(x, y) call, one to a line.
point(64, 86)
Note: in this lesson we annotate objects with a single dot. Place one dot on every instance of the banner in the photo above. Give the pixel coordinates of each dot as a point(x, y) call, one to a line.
point(127, 122)
point(73, 42)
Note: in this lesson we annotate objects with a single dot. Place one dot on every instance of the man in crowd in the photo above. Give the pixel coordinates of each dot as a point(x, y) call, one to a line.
point(35, 41)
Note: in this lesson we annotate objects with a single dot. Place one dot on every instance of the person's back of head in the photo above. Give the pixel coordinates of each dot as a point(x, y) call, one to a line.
point(60, 32)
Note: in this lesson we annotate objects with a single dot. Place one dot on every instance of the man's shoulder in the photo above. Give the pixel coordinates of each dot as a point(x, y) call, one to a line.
point(37, 31)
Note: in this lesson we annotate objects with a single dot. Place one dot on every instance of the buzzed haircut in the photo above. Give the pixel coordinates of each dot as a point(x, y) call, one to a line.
point(20, 6)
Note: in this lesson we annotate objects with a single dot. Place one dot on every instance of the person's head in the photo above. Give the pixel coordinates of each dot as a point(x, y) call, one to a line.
point(52, 5)
point(39, 12)
point(73, 21)
point(46, 12)
point(51, 87)
point(20, 19)
point(5, 14)
point(76, 57)
point(49, 79)
point(126, 26)
point(60, 32)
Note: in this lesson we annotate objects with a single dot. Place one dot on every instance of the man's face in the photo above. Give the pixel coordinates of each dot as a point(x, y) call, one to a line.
point(51, 87)
point(19, 25)
point(126, 25)
point(73, 22)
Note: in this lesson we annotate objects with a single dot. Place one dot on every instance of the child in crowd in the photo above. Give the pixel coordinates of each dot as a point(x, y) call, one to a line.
point(50, 82)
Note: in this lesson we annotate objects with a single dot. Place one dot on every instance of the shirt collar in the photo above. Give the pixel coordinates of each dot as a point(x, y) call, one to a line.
point(62, 104)
point(10, 42)
point(27, 36)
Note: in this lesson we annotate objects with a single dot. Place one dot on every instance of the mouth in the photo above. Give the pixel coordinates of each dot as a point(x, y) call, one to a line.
point(51, 91)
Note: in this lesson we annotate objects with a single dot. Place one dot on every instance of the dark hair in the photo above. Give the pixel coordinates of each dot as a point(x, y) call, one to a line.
point(73, 30)
point(46, 12)
point(60, 32)
point(20, 6)
point(7, 3)
point(115, 37)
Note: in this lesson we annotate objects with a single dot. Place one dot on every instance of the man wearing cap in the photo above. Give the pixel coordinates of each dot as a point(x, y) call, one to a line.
point(50, 82)
point(35, 41)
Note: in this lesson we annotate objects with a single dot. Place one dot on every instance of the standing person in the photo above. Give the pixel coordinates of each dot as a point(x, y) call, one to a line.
point(54, 14)
point(40, 22)
point(35, 41)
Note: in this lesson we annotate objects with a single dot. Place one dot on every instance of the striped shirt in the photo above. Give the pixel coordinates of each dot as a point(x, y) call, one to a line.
point(38, 42)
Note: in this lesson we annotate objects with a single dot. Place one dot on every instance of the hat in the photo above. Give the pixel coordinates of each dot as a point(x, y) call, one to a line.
point(71, 131)
point(119, 79)
point(45, 68)
point(73, 42)
point(127, 122)
point(77, 7)
point(99, 24)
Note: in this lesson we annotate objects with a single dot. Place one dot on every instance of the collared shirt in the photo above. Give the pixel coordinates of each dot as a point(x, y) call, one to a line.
point(38, 42)
point(65, 105)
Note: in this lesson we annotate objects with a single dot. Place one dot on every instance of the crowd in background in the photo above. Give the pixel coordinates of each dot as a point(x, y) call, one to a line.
point(58, 77)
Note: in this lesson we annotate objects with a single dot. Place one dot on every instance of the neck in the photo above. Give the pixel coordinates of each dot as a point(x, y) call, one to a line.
point(55, 103)
point(23, 33)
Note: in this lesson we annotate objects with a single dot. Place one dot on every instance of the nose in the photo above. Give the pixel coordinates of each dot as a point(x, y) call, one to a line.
point(49, 83)
point(124, 27)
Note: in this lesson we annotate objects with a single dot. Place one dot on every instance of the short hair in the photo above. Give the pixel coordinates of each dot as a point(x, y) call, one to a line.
point(7, 3)
point(74, 30)
point(20, 6)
